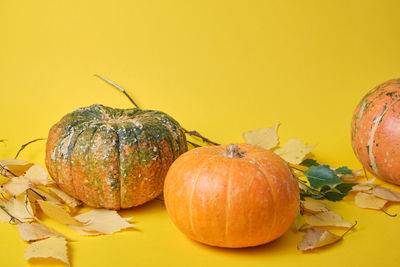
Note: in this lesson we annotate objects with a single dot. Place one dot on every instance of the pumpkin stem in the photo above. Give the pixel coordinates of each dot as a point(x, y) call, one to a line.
point(119, 88)
point(232, 151)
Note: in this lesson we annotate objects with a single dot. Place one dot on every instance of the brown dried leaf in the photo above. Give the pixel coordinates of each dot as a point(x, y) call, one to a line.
point(70, 201)
point(314, 207)
point(52, 247)
point(102, 221)
point(386, 193)
point(315, 238)
point(266, 138)
point(16, 186)
point(16, 166)
point(58, 212)
point(37, 175)
point(364, 186)
point(33, 232)
point(294, 151)
point(368, 201)
point(18, 207)
point(328, 218)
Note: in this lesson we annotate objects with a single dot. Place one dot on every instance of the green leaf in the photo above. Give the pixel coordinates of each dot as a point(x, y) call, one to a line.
point(333, 196)
point(343, 170)
point(321, 175)
point(345, 188)
point(309, 163)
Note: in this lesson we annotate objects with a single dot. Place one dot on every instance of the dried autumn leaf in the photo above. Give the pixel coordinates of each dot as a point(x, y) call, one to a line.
point(386, 193)
point(266, 138)
point(57, 212)
point(52, 247)
point(16, 166)
point(18, 207)
point(294, 151)
point(314, 207)
point(33, 232)
point(37, 175)
point(299, 222)
point(328, 218)
point(368, 201)
point(16, 186)
point(315, 238)
point(70, 201)
point(103, 221)
point(364, 186)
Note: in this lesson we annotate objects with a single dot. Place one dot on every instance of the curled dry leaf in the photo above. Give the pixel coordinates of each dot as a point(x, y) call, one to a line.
point(328, 218)
point(52, 247)
point(16, 186)
point(101, 221)
point(369, 201)
point(16, 166)
point(364, 186)
point(37, 175)
point(315, 238)
point(266, 138)
point(32, 232)
point(58, 213)
point(294, 151)
point(70, 201)
point(19, 207)
point(314, 207)
point(386, 193)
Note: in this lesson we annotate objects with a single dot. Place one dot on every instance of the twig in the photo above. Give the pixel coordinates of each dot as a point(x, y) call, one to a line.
point(197, 134)
point(309, 187)
point(193, 144)
point(118, 87)
point(4, 170)
point(24, 145)
point(12, 217)
point(34, 191)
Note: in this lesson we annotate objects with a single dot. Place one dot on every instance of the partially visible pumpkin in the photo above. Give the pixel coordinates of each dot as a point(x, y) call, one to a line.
point(375, 131)
point(113, 158)
point(231, 196)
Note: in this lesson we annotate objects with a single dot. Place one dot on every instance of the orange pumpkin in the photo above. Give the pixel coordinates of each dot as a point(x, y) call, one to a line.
point(375, 131)
point(231, 196)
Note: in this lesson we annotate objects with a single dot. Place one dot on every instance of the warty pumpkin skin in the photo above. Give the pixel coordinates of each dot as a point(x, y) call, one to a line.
point(113, 158)
point(375, 131)
point(231, 201)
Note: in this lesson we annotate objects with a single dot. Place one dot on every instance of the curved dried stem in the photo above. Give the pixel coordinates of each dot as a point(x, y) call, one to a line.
point(24, 145)
point(13, 218)
point(197, 134)
point(193, 144)
point(348, 230)
point(119, 88)
point(391, 215)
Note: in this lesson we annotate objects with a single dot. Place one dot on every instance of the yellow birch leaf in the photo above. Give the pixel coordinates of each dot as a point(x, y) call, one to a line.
point(16, 166)
point(18, 207)
point(32, 232)
point(314, 207)
point(52, 247)
point(386, 193)
point(316, 238)
point(294, 151)
point(70, 201)
point(266, 138)
point(37, 175)
point(58, 213)
point(368, 201)
point(103, 221)
point(16, 186)
point(328, 218)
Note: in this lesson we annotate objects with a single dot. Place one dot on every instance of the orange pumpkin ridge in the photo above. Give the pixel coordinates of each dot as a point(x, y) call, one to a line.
point(375, 131)
point(231, 199)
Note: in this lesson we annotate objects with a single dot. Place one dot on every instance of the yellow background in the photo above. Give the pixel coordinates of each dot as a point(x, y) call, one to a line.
point(219, 67)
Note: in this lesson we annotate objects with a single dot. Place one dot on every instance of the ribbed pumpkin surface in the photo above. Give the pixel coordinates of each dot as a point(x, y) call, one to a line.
point(113, 158)
point(231, 202)
point(375, 131)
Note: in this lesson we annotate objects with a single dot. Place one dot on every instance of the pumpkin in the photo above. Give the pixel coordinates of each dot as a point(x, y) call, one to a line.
point(113, 158)
point(231, 196)
point(375, 131)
